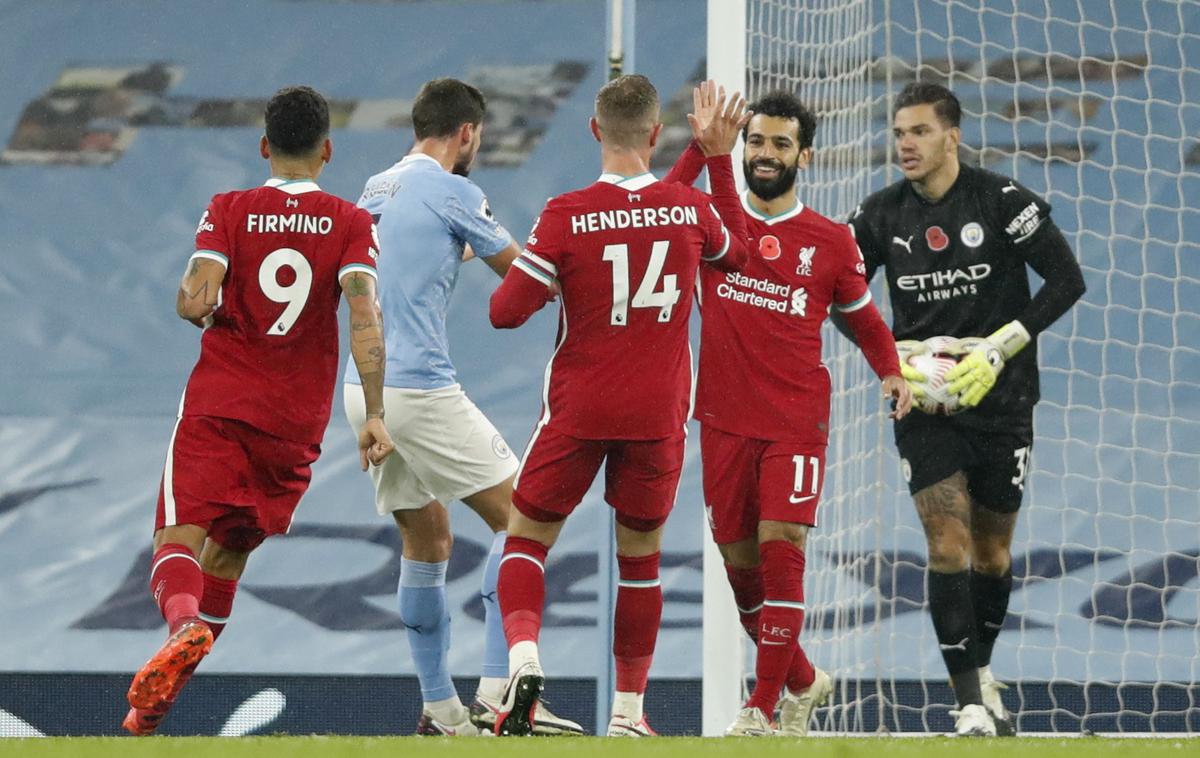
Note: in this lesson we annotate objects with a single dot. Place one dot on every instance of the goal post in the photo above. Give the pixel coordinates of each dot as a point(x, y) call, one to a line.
point(1089, 103)
point(722, 645)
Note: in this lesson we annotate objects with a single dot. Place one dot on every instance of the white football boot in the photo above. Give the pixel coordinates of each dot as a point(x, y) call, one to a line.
point(795, 711)
point(973, 721)
point(1006, 723)
point(750, 722)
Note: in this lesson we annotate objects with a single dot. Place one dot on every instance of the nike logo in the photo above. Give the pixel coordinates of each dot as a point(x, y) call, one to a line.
point(802, 499)
point(1010, 187)
point(990, 625)
point(906, 244)
point(962, 645)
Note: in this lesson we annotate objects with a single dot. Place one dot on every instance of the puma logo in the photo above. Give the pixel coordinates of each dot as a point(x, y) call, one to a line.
point(906, 244)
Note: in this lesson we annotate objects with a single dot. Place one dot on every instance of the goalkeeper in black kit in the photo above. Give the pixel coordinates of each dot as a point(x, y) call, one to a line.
point(954, 242)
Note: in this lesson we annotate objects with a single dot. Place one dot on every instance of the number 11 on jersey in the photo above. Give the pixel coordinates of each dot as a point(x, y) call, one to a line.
point(646, 295)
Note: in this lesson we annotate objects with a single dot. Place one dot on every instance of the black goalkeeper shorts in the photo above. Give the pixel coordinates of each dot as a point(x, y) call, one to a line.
point(996, 463)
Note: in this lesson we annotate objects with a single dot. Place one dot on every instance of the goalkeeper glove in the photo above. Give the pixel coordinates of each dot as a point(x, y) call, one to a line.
point(915, 379)
point(976, 372)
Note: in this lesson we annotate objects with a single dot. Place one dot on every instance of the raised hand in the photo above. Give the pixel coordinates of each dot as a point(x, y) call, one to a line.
point(718, 119)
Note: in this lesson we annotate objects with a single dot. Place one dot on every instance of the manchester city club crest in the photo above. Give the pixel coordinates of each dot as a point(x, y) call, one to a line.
point(972, 235)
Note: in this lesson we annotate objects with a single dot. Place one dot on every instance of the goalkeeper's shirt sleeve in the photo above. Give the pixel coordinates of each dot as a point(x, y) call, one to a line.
point(1049, 254)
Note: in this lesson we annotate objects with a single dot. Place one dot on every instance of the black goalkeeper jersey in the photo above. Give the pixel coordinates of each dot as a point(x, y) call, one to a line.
point(957, 267)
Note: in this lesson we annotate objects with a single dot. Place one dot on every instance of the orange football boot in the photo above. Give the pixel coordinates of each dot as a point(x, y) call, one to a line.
point(163, 675)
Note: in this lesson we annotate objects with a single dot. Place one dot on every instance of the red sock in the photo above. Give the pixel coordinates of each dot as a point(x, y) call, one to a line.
point(636, 621)
point(217, 602)
point(176, 583)
point(801, 674)
point(747, 587)
point(521, 588)
point(780, 621)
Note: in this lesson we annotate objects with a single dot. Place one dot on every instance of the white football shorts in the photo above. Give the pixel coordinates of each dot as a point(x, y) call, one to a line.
point(446, 449)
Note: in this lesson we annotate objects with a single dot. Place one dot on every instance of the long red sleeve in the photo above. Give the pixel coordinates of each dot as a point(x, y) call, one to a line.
point(874, 339)
point(729, 207)
point(687, 169)
point(517, 298)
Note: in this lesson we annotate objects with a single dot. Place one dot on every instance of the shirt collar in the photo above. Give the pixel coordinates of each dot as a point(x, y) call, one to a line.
point(638, 182)
point(770, 220)
point(292, 186)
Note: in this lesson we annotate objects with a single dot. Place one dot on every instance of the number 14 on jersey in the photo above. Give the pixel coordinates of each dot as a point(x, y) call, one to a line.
point(648, 294)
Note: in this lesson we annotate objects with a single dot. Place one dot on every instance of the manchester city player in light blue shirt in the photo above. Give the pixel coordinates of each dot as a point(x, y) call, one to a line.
point(427, 214)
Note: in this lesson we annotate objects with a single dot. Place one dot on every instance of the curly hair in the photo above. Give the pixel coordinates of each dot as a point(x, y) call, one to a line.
point(297, 120)
point(785, 105)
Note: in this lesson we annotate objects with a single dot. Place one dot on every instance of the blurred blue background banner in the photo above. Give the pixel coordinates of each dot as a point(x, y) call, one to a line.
point(122, 119)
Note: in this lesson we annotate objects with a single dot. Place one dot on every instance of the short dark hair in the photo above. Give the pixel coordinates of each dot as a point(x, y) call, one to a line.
point(443, 105)
point(785, 105)
point(944, 103)
point(297, 120)
point(627, 109)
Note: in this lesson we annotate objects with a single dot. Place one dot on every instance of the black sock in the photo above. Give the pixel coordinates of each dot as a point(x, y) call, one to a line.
point(954, 623)
point(990, 596)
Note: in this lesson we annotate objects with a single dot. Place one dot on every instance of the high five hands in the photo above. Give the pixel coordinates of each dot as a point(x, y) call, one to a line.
point(717, 119)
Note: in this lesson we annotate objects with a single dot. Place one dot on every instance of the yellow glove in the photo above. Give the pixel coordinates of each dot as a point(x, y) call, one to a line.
point(976, 372)
point(915, 379)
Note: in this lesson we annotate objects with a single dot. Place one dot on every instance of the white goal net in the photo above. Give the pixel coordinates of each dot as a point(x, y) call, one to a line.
point(1091, 104)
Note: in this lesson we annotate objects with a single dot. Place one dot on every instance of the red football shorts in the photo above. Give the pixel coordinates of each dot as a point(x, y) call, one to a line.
point(748, 480)
point(641, 477)
point(241, 484)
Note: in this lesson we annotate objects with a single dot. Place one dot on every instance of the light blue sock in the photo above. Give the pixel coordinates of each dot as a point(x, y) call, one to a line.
point(422, 599)
point(495, 647)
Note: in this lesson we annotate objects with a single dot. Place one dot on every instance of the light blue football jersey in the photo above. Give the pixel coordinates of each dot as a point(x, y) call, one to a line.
point(424, 215)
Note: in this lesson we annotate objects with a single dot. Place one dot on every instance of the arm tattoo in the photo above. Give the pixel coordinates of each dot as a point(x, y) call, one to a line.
point(356, 286)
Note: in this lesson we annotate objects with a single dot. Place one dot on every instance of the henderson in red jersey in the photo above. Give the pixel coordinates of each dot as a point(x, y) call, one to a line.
point(763, 395)
point(269, 268)
point(623, 253)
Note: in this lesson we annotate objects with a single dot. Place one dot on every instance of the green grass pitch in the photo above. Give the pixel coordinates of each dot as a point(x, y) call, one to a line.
point(663, 747)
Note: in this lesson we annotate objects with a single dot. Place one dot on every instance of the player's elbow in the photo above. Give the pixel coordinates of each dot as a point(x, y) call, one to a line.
point(502, 317)
point(190, 309)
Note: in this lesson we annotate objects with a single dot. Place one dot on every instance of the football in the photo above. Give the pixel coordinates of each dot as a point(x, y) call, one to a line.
point(932, 357)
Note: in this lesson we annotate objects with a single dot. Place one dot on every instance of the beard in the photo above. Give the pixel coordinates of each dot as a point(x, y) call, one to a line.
point(769, 189)
point(462, 168)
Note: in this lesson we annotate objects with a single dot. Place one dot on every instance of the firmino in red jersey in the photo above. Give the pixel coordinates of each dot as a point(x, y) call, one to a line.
point(625, 253)
point(761, 374)
point(270, 357)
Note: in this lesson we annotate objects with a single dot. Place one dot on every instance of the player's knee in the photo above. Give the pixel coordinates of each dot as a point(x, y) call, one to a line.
point(991, 559)
point(742, 554)
point(224, 564)
point(948, 554)
point(797, 534)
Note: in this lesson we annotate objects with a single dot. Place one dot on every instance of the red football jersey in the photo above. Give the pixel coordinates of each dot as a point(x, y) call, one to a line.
point(270, 358)
point(761, 374)
point(625, 254)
